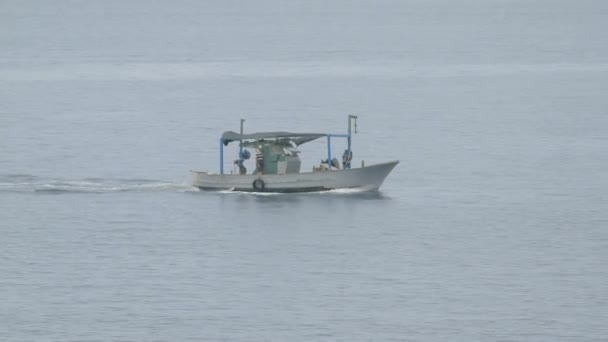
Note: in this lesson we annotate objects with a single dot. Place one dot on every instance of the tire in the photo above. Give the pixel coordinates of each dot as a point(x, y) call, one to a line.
point(259, 184)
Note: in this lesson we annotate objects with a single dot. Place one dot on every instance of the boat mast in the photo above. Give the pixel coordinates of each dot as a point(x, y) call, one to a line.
point(348, 137)
point(350, 120)
point(240, 150)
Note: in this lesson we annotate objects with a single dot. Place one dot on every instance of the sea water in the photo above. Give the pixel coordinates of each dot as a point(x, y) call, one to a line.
point(494, 226)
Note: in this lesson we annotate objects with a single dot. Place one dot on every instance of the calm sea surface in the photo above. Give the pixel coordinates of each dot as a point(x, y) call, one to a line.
point(494, 227)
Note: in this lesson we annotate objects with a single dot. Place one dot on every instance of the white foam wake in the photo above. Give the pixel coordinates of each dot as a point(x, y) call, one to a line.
point(30, 183)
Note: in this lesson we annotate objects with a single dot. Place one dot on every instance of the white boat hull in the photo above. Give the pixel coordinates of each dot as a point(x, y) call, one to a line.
point(368, 178)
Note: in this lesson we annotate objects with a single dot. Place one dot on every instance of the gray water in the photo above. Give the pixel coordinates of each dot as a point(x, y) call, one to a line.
point(492, 228)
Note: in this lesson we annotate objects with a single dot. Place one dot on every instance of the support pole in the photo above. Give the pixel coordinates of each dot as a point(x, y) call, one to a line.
point(221, 156)
point(241, 144)
point(329, 152)
point(349, 138)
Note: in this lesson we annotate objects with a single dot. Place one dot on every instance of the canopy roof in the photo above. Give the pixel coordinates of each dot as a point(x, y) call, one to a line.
point(296, 138)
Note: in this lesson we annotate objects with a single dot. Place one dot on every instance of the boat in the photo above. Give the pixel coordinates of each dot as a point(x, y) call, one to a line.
point(278, 165)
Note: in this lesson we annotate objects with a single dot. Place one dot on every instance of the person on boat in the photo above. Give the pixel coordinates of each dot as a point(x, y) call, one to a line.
point(259, 161)
point(347, 157)
point(241, 166)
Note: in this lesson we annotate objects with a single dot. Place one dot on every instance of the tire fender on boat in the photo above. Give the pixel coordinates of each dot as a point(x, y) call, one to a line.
point(259, 184)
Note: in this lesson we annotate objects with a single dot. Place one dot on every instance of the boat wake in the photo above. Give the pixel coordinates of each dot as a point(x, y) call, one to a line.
point(25, 183)
point(30, 183)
